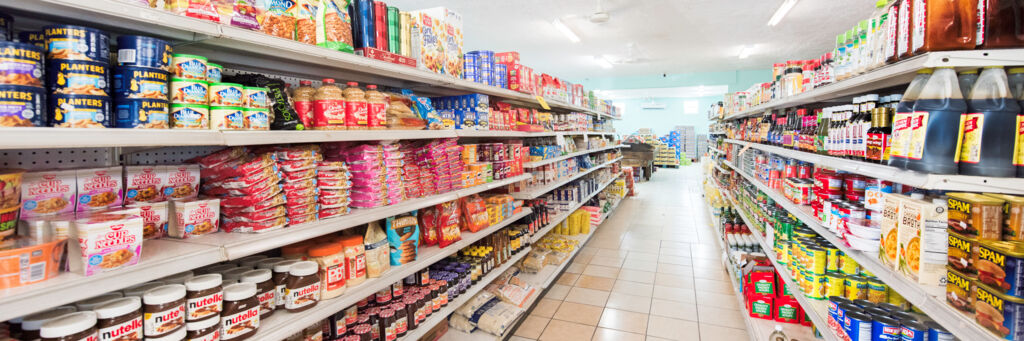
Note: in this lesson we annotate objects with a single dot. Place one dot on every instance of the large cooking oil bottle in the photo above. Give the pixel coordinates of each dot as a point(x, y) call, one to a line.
point(989, 127)
point(942, 25)
point(1001, 23)
point(935, 125)
point(901, 120)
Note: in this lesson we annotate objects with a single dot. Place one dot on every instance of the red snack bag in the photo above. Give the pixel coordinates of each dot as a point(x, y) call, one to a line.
point(331, 212)
point(256, 188)
point(296, 165)
point(333, 194)
point(239, 168)
point(428, 226)
point(333, 202)
point(246, 181)
point(250, 200)
point(306, 209)
point(221, 156)
point(299, 201)
point(300, 175)
point(301, 193)
point(448, 223)
point(273, 212)
point(302, 219)
point(255, 226)
point(300, 185)
point(474, 213)
point(276, 200)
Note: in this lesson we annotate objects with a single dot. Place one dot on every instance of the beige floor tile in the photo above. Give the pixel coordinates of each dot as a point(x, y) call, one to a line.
point(718, 333)
point(674, 269)
point(583, 259)
point(680, 246)
point(721, 316)
point(558, 330)
point(596, 283)
point(675, 294)
point(546, 307)
point(724, 301)
point(713, 274)
point(710, 285)
point(601, 271)
point(636, 276)
point(579, 313)
point(575, 268)
point(652, 338)
point(605, 334)
point(674, 252)
point(707, 263)
point(627, 302)
point(675, 281)
point(557, 292)
point(641, 256)
point(602, 260)
point(640, 265)
point(677, 310)
point(520, 338)
point(624, 321)
point(587, 296)
point(633, 288)
point(605, 243)
point(607, 252)
point(567, 279)
point(673, 329)
point(532, 327)
point(675, 260)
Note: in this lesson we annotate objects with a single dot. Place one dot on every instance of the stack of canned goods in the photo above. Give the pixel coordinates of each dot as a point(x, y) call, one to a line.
point(21, 84)
point(200, 100)
point(863, 320)
point(77, 70)
point(140, 82)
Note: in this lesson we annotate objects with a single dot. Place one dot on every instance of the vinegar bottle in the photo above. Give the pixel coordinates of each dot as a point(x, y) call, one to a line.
point(990, 123)
point(901, 120)
point(942, 25)
point(935, 125)
point(1001, 24)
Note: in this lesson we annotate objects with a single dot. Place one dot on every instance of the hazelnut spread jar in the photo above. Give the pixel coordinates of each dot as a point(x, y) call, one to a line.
point(178, 335)
point(80, 326)
point(30, 324)
point(120, 319)
point(163, 310)
point(280, 276)
point(266, 291)
point(205, 330)
point(204, 297)
point(241, 317)
point(302, 289)
point(268, 263)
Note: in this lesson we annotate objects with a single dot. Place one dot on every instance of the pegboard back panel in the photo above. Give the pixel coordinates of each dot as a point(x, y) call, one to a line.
point(58, 158)
point(292, 81)
point(168, 155)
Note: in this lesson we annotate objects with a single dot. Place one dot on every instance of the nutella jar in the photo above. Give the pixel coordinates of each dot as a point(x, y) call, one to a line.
point(204, 297)
point(177, 335)
point(386, 323)
point(30, 324)
point(70, 327)
point(140, 289)
point(120, 319)
point(232, 275)
point(401, 319)
point(302, 289)
point(178, 278)
point(266, 291)
point(163, 310)
point(280, 276)
point(268, 263)
point(241, 317)
point(89, 304)
point(205, 330)
point(249, 261)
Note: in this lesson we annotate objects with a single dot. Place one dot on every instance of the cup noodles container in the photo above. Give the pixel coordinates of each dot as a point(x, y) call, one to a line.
point(26, 261)
point(107, 241)
point(99, 188)
point(182, 182)
point(154, 218)
point(48, 193)
point(10, 201)
point(144, 184)
point(193, 217)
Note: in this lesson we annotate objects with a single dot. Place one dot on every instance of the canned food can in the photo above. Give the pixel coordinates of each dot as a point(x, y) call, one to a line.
point(817, 285)
point(214, 72)
point(189, 91)
point(22, 106)
point(857, 326)
point(142, 113)
point(937, 332)
point(33, 38)
point(833, 254)
point(960, 290)
point(848, 266)
point(77, 43)
point(141, 82)
point(227, 118)
point(913, 330)
point(256, 97)
point(380, 25)
point(257, 119)
point(6, 27)
point(79, 111)
point(187, 66)
point(819, 259)
point(835, 285)
point(878, 291)
point(190, 116)
point(884, 328)
point(77, 77)
point(142, 51)
point(21, 64)
point(226, 95)
point(897, 300)
point(856, 288)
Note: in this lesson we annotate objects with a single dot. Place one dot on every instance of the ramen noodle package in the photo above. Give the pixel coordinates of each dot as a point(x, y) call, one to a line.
point(99, 188)
point(403, 237)
point(25, 261)
point(47, 193)
point(193, 217)
point(107, 241)
point(182, 182)
point(10, 201)
point(154, 218)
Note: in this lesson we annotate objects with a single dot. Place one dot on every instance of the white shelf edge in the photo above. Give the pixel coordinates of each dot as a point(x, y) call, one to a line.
point(536, 192)
point(536, 164)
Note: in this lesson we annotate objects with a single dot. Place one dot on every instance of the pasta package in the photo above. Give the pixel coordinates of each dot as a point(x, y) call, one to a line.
point(334, 25)
point(403, 237)
point(375, 241)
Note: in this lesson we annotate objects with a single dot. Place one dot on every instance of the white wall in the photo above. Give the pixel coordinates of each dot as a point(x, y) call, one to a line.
point(661, 121)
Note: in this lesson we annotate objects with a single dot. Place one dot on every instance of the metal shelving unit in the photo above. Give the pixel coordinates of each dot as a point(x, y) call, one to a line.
point(561, 216)
point(535, 164)
point(536, 192)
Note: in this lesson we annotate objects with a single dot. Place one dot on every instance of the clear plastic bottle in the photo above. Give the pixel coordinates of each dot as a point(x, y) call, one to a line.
point(966, 78)
point(989, 123)
point(901, 120)
point(905, 30)
point(778, 335)
point(935, 125)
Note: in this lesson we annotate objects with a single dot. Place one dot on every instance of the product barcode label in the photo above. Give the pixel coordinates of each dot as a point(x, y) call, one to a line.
point(126, 56)
point(33, 273)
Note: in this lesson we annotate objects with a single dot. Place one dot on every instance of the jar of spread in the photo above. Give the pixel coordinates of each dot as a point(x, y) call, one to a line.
point(120, 319)
point(163, 310)
point(410, 309)
point(363, 331)
point(435, 296)
point(280, 276)
point(386, 325)
point(442, 291)
point(178, 278)
point(249, 261)
point(397, 290)
point(384, 295)
point(335, 327)
point(302, 100)
point(204, 297)
point(329, 107)
point(268, 263)
point(88, 304)
point(376, 108)
point(355, 107)
point(177, 335)
point(30, 324)
point(302, 288)
point(401, 319)
point(331, 260)
point(140, 289)
point(351, 314)
point(241, 317)
point(70, 327)
point(355, 260)
point(232, 275)
point(205, 330)
point(266, 291)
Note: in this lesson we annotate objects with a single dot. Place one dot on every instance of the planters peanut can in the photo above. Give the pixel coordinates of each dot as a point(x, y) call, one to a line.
point(77, 77)
point(79, 111)
point(142, 113)
point(142, 51)
point(141, 82)
point(76, 43)
point(21, 64)
point(22, 106)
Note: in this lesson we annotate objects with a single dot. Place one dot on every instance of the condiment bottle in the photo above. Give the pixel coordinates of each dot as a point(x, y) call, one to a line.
point(355, 107)
point(1000, 24)
point(120, 319)
point(204, 297)
point(302, 99)
point(31, 324)
point(280, 278)
point(266, 291)
point(989, 126)
point(330, 258)
point(944, 25)
point(935, 124)
point(70, 327)
point(329, 107)
point(386, 323)
point(163, 310)
point(355, 260)
point(241, 317)
point(302, 289)
point(205, 330)
point(377, 106)
point(901, 120)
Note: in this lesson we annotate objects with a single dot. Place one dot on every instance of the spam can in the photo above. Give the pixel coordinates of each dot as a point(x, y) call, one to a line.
point(142, 113)
point(190, 116)
point(962, 252)
point(256, 97)
point(227, 118)
point(79, 111)
point(190, 91)
point(214, 72)
point(960, 290)
point(1001, 267)
point(77, 77)
point(33, 38)
point(21, 64)
point(142, 51)
point(188, 66)
point(22, 106)
point(257, 119)
point(884, 328)
point(141, 82)
point(1000, 314)
point(76, 43)
point(226, 95)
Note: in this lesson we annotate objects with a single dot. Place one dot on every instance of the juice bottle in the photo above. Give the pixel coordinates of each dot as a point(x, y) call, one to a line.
point(302, 99)
point(942, 25)
point(355, 107)
point(935, 126)
point(377, 105)
point(901, 120)
point(329, 107)
point(1001, 24)
point(990, 123)
point(966, 78)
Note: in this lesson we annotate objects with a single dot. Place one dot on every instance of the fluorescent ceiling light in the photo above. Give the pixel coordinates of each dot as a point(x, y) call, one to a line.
point(566, 31)
point(781, 12)
point(745, 51)
point(603, 62)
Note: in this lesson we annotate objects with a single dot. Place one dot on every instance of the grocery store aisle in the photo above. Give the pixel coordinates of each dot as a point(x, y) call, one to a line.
point(653, 271)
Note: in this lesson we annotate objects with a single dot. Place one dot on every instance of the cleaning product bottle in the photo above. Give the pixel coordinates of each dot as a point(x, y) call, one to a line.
point(966, 78)
point(935, 126)
point(901, 120)
point(989, 127)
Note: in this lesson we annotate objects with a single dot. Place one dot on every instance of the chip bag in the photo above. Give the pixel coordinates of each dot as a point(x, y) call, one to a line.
point(334, 25)
point(448, 223)
point(474, 213)
point(428, 225)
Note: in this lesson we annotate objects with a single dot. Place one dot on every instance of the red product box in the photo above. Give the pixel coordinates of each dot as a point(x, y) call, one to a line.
point(784, 289)
point(761, 307)
point(511, 57)
point(386, 56)
point(787, 310)
point(805, 320)
point(761, 281)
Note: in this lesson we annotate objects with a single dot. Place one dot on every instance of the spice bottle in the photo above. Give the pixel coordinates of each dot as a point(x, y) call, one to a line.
point(70, 327)
point(355, 107)
point(377, 107)
point(329, 107)
point(241, 317)
point(120, 319)
point(302, 289)
point(163, 310)
point(302, 99)
point(330, 258)
point(204, 298)
point(355, 260)
point(266, 291)
point(280, 277)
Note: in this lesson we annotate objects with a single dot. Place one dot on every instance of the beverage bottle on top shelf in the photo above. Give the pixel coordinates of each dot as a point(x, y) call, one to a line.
point(966, 78)
point(935, 126)
point(944, 25)
point(989, 127)
point(1001, 24)
point(879, 32)
point(901, 120)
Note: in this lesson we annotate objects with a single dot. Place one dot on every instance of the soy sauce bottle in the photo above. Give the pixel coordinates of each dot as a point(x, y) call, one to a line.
point(935, 125)
point(901, 120)
point(989, 126)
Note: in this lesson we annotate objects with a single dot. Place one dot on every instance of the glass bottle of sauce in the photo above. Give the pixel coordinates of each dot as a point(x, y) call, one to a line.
point(355, 107)
point(991, 122)
point(904, 30)
point(1001, 24)
point(878, 135)
point(329, 107)
point(377, 105)
point(934, 127)
point(942, 25)
point(302, 99)
point(901, 120)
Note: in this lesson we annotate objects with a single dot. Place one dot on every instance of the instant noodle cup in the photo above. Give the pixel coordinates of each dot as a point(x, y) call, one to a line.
point(142, 113)
point(257, 119)
point(190, 91)
point(214, 72)
point(256, 97)
point(23, 106)
point(109, 241)
point(21, 64)
point(76, 43)
point(40, 260)
point(77, 77)
point(10, 201)
point(227, 118)
point(141, 82)
point(227, 95)
point(189, 66)
point(79, 111)
point(142, 51)
point(190, 116)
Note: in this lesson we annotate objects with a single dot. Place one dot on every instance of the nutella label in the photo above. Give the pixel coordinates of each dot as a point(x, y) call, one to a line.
point(268, 301)
point(236, 325)
point(301, 297)
point(214, 336)
point(280, 298)
point(205, 306)
point(163, 322)
point(129, 330)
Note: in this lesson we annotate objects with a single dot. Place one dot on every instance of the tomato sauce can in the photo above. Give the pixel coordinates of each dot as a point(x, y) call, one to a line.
point(142, 51)
point(77, 43)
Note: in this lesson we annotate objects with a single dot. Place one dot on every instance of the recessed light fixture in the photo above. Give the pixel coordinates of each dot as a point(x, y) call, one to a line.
point(566, 31)
point(781, 12)
point(745, 51)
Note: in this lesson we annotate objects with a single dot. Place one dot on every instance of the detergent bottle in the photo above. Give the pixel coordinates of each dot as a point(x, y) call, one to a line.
point(989, 127)
point(901, 120)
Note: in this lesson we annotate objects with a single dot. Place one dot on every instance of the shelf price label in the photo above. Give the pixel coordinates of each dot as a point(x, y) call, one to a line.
point(543, 103)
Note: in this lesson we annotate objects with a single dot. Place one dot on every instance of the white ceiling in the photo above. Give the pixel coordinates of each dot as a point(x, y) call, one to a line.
point(679, 36)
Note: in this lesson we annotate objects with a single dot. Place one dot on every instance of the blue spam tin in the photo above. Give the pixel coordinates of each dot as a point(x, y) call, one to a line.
point(21, 64)
point(76, 43)
point(79, 111)
point(913, 331)
point(22, 106)
point(885, 328)
point(34, 38)
point(143, 113)
point(142, 51)
point(141, 82)
point(77, 77)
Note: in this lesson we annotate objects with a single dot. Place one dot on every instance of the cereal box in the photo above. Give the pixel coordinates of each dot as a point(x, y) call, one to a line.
point(451, 38)
point(182, 182)
point(193, 217)
point(154, 218)
point(428, 41)
point(107, 241)
point(48, 192)
point(144, 184)
point(99, 188)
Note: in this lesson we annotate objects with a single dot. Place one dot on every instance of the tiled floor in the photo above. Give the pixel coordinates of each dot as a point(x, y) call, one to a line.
point(651, 272)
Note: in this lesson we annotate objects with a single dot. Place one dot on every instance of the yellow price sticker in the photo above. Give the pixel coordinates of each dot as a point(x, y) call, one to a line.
point(543, 103)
